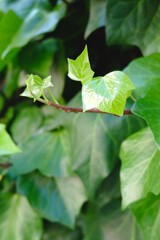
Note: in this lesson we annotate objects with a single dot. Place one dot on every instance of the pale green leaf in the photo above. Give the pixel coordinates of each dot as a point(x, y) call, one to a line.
point(140, 171)
point(79, 69)
point(36, 85)
point(147, 212)
point(108, 93)
point(48, 152)
point(58, 200)
point(134, 23)
point(7, 146)
point(149, 109)
point(18, 221)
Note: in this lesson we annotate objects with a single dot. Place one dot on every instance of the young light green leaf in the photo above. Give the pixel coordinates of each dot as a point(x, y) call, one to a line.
point(36, 85)
point(140, 171)
point(58, 199)
point(7, 146)
point(108, 93)
point(79, 69)
point(17, 219)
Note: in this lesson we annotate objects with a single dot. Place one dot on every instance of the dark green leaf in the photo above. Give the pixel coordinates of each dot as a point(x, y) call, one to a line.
point(18, 221)
point(110, 223)
point(7, 146)
point(108, 93)
point(37, 59)
point(147, 212)
point(134, 22)
point(48, 152)
point(140, 170)
point(1, 103)
point(79, 69)
point(17, 33)
point(58, 200)
point(97, 16)
point(144, 73)
point(149, 109)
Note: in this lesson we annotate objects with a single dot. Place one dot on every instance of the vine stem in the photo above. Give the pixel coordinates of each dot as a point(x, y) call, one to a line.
point(5, 165)
point(73, 109)
point(77, 110)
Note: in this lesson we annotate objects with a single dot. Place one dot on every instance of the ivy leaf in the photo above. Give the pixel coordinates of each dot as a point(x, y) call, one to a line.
point(7, 146)
point(17, 219)
point(147, 212)
point(79, 69)
point(24, 119)
point(108, 93)
point(124, 24)
point(140, 171)
point(144, 73)
point(97, 16)
point(52, 155)
point(149, 109)
point(58, 199)
point(36, 85)
point(111, 223)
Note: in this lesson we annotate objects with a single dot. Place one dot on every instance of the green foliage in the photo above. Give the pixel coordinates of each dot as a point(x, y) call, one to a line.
point(7, 146)
point(70, 176)
point(16, 213)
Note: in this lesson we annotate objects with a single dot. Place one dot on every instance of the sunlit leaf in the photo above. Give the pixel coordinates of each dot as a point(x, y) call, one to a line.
point(79, 69)
point(108, 93)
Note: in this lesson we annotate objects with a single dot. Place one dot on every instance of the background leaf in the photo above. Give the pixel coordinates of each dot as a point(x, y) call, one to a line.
point(147, 212)
point(124, 24)
point(139, 172)
point(16, 213)
point(58, 199)
point(48, 152)
point(7, 146)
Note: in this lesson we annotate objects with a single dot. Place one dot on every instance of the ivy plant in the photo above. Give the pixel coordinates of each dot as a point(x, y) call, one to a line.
point(80, 136)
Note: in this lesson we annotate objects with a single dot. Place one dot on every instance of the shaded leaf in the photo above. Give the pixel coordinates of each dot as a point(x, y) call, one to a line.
point(147, 212)
point(18, 221)
point(26, 123)
point(16, 33)
point(79, 69)
point(110, 223)
point(97, 16)
point(58, 200)
point(23, 7)
point(149, 109)
point(96, 139)
point(124, 24)
point(37, 59)
point(48, 152)
point(108, 93)
point(140, 170)
point(144, 73)
point(7, 146)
